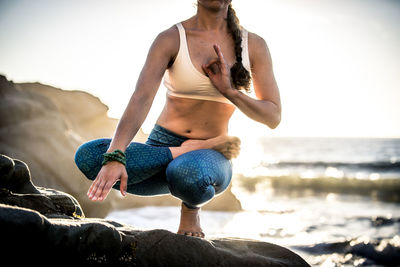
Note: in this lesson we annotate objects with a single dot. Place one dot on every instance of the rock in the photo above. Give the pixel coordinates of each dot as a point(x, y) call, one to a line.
point(356, 251)
point(43, 126)
point(46, 226)
point(15, 176)
point(17, 189)
point(97, 242)
point(82, 112)
point(33, 129)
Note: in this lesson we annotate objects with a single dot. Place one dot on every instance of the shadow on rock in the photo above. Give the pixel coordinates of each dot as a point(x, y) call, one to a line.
point(45, 226)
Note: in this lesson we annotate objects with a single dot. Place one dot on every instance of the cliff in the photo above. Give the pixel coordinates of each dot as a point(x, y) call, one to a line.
point(43, 126)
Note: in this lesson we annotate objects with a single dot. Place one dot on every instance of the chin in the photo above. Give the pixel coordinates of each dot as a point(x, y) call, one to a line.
point(215, 5)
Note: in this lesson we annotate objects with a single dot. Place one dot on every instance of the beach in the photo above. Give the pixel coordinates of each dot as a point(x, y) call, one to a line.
point(334, 201)
point(324, 218)
point(325, 183)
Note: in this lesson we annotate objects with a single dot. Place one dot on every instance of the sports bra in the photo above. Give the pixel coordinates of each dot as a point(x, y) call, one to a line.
point(182, 79)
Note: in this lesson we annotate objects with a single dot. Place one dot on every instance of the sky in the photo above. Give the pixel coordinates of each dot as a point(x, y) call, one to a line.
point(336, 62)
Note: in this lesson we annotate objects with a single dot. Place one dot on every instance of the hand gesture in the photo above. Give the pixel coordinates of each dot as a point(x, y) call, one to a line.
point(105, 180)
point(219, 72)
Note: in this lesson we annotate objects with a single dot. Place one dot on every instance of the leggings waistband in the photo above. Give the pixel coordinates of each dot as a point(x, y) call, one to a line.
point(161, 136)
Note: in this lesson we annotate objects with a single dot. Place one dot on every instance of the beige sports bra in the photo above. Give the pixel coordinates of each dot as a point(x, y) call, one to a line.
point(182, 79)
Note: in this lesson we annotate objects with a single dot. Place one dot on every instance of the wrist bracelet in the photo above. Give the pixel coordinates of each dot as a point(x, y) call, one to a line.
point(116, 155)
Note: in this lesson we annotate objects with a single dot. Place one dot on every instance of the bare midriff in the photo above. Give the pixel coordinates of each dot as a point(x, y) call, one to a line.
point(195, 119)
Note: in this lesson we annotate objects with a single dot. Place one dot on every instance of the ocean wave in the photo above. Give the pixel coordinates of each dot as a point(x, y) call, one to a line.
point(377, 166)
point(379, 221)
point(382, 251)
point(381, 189)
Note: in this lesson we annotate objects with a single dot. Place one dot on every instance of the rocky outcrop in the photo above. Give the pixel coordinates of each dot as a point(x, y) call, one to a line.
point(44, 226)
point(33, 129)
point(91, 242)
point(43, 126)
point(17, 189)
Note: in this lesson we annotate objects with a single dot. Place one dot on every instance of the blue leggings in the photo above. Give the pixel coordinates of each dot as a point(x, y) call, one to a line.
point(194, 177)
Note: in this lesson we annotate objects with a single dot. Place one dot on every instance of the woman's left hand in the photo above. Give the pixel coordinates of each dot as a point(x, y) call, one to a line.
point(219, 72)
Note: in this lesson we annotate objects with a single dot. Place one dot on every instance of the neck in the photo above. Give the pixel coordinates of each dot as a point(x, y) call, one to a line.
point(214, 20)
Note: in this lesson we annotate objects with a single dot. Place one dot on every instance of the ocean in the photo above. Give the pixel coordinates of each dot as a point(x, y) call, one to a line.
point(334, 201)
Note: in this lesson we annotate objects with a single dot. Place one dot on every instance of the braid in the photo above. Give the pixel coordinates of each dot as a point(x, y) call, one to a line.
point(240, 76)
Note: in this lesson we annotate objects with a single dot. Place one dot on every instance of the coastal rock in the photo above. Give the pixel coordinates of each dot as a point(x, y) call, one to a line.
point(45, 226)
point(33, 129)
point(356, 251)
point(97, 242)
point(43, 126)
point(17, 189)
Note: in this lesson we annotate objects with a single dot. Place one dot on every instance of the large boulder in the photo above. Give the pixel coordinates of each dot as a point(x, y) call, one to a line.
point(43, 126)
point(98, 242)
point(45, 226)
point(17, 189)
point(33, 129)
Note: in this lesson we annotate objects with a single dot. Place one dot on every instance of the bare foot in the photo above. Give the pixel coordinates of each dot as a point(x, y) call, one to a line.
point(190, 222)
point(229, 146)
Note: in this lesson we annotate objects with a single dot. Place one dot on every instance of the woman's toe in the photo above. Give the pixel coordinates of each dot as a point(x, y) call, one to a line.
point(182, 232)
point(189, 233)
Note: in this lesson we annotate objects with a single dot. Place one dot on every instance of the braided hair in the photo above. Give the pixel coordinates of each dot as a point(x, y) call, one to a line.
point(240, 76)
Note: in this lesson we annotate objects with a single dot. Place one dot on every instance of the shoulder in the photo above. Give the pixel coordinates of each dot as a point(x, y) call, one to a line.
point(165, 45)
point(258, 48)
point(168, 37)
point(257, 44)
point(256, 39)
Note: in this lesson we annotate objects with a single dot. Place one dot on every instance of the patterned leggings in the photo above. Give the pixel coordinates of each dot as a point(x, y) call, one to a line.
point(194, 177)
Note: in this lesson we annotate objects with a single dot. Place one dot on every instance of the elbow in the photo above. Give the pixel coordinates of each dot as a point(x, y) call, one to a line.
point(274, 121)
point(271, 116)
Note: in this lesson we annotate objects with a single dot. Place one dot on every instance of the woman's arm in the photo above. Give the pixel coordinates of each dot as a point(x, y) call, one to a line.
point(162, 52)
point(267, 107)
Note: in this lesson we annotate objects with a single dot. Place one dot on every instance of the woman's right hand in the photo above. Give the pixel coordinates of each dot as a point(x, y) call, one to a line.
point(109, 174)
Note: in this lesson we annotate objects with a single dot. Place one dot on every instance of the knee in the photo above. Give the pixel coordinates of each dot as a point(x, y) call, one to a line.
point(195, 179)
point(89, 156)
point(189, 185)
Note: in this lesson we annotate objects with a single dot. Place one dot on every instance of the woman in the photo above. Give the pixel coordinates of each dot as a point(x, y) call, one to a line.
point(206, 62)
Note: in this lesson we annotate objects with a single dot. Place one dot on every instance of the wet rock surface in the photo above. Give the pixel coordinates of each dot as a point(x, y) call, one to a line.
point(45, 226)
point(357, 252)
point(17, 189)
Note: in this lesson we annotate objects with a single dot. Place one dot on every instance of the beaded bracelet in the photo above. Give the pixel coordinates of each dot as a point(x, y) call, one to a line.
point(116, 155)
